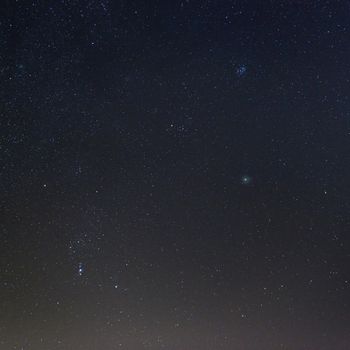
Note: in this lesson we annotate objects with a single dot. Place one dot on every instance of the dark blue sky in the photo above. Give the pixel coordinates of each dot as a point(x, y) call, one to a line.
point(174, 175)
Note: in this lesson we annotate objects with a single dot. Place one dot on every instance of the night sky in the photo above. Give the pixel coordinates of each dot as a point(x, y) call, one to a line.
point(174, 175)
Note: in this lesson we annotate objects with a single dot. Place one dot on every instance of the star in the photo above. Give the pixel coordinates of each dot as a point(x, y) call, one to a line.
point(80, 269)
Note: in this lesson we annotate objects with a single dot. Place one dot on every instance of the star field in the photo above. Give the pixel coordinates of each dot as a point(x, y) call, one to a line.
point(174, 175)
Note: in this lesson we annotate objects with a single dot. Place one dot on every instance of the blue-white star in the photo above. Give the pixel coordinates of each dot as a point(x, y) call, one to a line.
point(80, 269)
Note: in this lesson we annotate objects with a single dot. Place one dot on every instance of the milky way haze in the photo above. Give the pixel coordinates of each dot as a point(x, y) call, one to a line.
point(174, 175)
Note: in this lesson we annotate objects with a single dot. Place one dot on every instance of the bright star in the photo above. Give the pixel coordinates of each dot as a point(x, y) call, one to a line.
point(80, 269)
